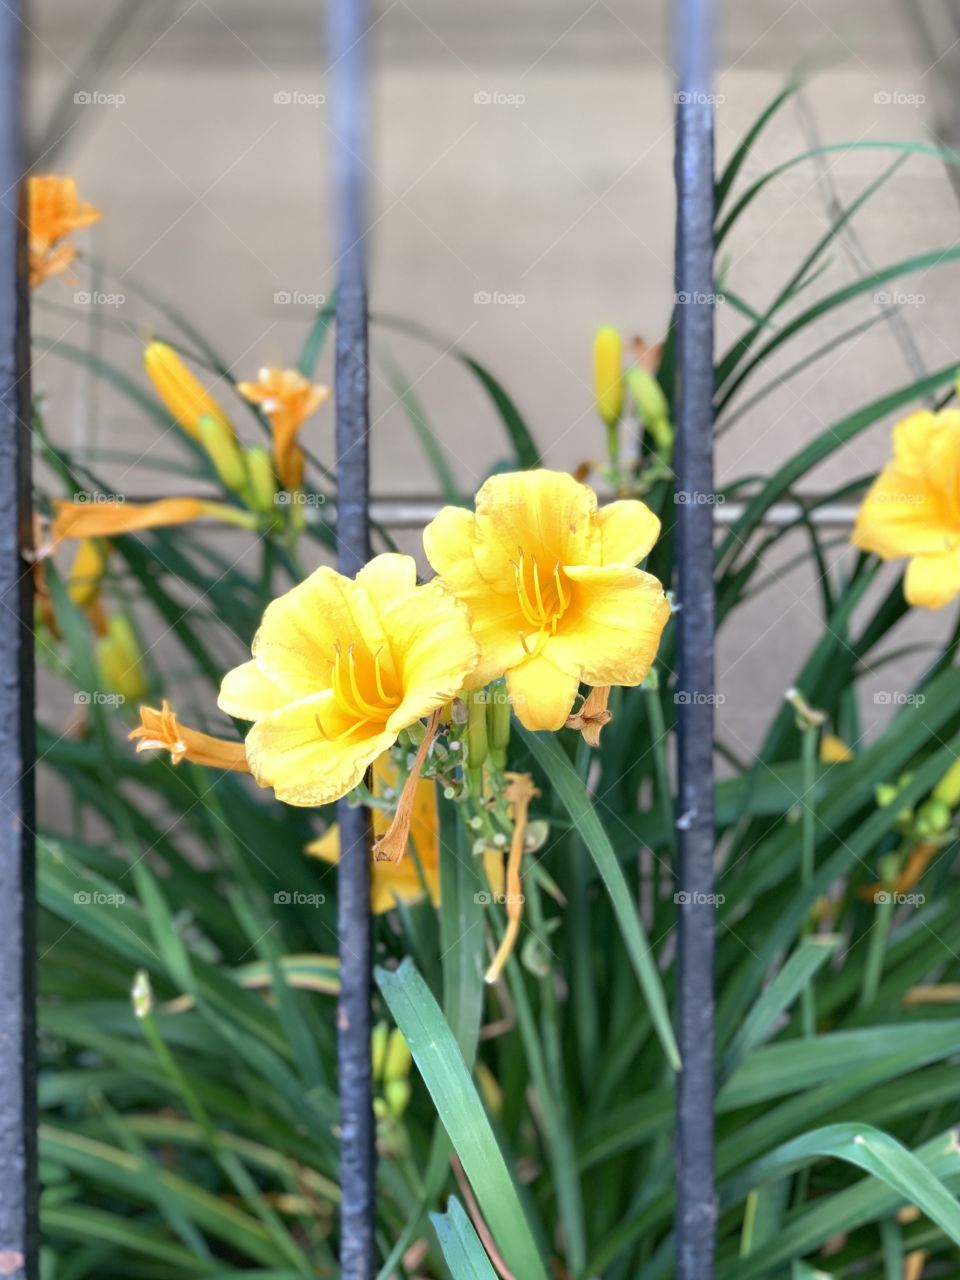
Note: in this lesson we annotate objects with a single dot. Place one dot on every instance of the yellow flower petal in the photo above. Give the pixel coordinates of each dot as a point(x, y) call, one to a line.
point(388, 577)
point(433, 650)
point(298, 636)
point(932, 581)
point(247, 693)
point(913, 508)
point(541, 694)
point(293, 752)
point(628, 530)
point(619, 617)
point(548, 514)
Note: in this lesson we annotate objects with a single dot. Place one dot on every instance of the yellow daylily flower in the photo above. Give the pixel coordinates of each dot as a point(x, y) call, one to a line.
point(393, 882)
point(185, 397)
point(551, 587)
point(108, 519)
point(54, 210)
point(913, 507)
point(288, 399)
point(162, 731)
point(340, 667)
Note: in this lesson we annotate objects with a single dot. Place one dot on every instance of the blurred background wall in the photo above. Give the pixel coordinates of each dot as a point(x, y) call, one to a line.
point(522, 195)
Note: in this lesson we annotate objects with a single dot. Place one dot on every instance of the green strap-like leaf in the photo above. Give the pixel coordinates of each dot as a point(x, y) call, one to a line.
point(573, 795)
point(458, 1105)
point(462, 1250)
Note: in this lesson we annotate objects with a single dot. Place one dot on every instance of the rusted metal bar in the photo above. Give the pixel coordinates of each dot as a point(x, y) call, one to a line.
point(695, 1221)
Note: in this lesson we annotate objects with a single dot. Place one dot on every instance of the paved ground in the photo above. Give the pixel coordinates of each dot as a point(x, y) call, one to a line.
point(521, 151)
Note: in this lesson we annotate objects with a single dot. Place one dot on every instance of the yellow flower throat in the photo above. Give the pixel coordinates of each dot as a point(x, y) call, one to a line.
point(541, 597)
point(360, 689)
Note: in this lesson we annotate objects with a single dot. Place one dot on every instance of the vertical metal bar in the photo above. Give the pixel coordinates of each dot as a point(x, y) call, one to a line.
point(696, 1206)
point(18, 1190)
point(348, 26)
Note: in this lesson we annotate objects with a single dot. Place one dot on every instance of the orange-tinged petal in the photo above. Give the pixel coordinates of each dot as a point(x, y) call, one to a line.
point(542, 695)
point(293, 751)
point(933, 581)
point(162, 731)
point(628, 530)
point(288, 399)
point(105, 519)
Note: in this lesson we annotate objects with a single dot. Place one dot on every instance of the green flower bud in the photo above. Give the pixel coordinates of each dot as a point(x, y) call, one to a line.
point(263, 482)
point(396, 1062)
point(947, 790)
point(476, 735)
point(218, 439)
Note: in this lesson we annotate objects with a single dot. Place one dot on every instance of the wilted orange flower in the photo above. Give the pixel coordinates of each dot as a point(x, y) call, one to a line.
point(106, 519)
point(288, 399)
point(54, 211)
point(162, 731)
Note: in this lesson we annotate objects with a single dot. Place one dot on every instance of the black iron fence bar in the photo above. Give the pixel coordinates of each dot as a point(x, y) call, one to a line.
point(696, 1209)
point(347, 37)
point(18, 1121)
